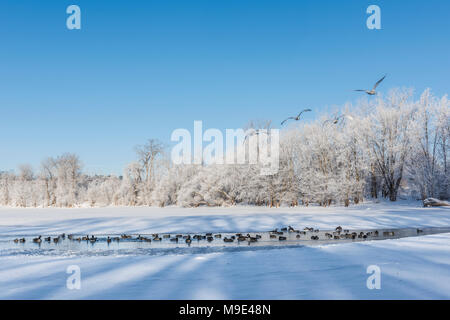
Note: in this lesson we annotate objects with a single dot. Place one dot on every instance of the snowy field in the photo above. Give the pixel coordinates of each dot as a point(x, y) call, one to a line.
point(411, 268)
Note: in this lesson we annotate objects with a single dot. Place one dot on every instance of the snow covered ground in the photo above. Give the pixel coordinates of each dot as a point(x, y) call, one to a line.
point(411, 268)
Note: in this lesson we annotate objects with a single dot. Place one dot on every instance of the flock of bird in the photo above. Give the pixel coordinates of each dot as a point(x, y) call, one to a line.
point(336, 119)
point(276, 234)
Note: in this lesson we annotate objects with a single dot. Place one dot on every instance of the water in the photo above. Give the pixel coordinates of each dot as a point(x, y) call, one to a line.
point(137, 247)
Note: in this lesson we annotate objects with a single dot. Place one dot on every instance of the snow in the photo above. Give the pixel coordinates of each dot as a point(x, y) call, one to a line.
point(411, 268)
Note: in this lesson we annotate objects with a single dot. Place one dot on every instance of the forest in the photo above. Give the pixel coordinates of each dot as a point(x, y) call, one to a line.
point(393, 146)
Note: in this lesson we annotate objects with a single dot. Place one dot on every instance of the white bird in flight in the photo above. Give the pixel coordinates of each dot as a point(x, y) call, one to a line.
point(297, 117)
point(372, 92)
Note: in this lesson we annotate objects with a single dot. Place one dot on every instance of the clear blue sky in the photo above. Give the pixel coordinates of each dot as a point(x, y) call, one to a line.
point(140, 69)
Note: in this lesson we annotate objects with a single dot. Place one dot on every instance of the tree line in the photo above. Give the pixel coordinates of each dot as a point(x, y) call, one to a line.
point(383, 148)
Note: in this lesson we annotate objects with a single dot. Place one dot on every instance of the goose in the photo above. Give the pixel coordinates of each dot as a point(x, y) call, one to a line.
point(218, 236)
point(282, 238)
point(297, 118)
point(339, 229)
point(48, 239)
point(108, 240)
point(188, 240)
point(273, 236)
point(336, 119)
point(227, 240)
point(372, 92)
point(166, 236)
point(16, 240)
point(174, 239)
point(314, 238)
point(37, 240)
point(22, 240)
point(210, 239)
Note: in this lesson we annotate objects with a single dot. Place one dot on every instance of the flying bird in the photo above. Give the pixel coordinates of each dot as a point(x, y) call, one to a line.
point(297, 117)
point(336, 119)
point(253, 133)
point(372, 92)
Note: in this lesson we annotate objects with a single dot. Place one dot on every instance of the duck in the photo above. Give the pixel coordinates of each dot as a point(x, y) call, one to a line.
point(37, 240)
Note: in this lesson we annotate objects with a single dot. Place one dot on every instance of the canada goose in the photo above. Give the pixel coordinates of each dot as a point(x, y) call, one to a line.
point(85, 238)
point(16, 240)
point(48, 239)
point(218, 236)
point(70, 237)
point(125, 236)
point(372, 92)
point(188, 240)
point(273, 236)
point(209, 234)
point(227, 240)
point(376, 233)
point(56, 240)
point(336, 238)
point(284, 229)
point(252, 239)
point(297, 236)
point(166, 236)
point(63, 236)
point(147, 240)
point(22, 240)
point(282, 238)
point(339, 229)
point(297, 118)
point(108, 240)
point(290, 229)
point(328, 235)
point(210, 239)
point(314, 238)
point(174, 239)
point(258, 236)
point(309, 229)
point(179, 236)
point(241, 238)
point(78, 239)
point(157, 239)
point(37, 240)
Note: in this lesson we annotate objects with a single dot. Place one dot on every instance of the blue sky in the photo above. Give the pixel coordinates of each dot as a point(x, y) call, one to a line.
point(140, 69)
